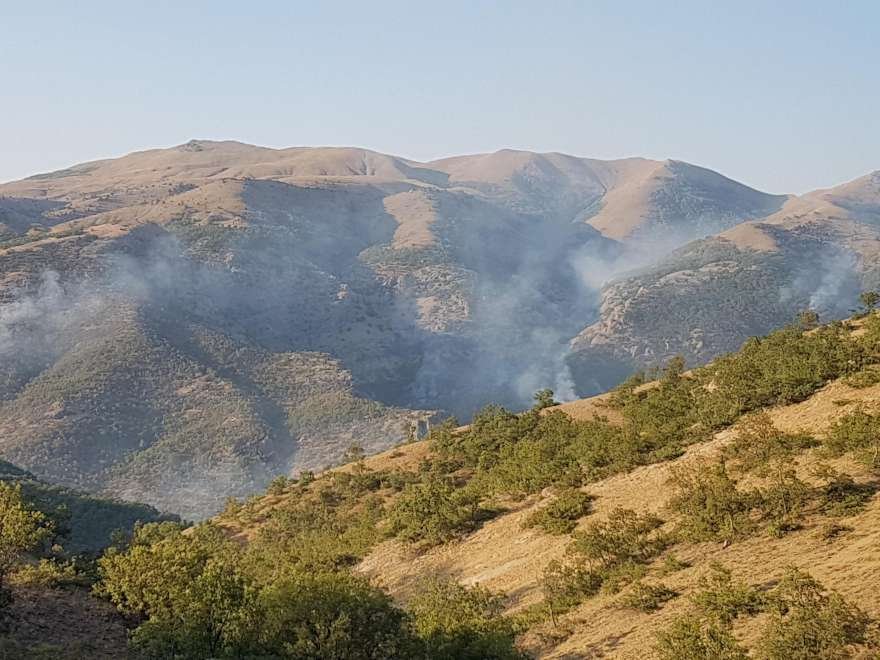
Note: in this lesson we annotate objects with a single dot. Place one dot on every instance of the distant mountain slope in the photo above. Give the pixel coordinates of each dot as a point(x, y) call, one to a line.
point(181, 324)
point(818, 252)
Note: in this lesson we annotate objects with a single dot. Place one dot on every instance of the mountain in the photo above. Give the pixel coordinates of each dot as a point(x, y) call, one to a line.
point(816, 252)
point(179, 325)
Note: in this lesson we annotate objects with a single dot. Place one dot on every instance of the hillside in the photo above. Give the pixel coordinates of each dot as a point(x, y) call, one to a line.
point(817, 252)
point(726, 511)
point(831, 539)
point(178, 325)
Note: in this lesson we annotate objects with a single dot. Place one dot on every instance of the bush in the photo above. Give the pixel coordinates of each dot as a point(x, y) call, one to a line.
point(784, 367)
point(331, 615)
point(810, 622)
point(463, 623)
point(46, 573)
point(711, 507)
point(664, 416)
point(561, 515)
point(758, 443)
point(832, 530)
point(690, 637)
point(647, 597)
point(564, 585)
point(278, 485)
point(724, 599)
point(842, 496)
point(21, 529)
point(624, 538)
point(857, 432)
point(672, 564)
point(433, 511)
point(188, 587)
point(783, 499)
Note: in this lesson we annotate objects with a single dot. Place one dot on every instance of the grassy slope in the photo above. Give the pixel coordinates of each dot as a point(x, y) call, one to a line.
point(504, 557)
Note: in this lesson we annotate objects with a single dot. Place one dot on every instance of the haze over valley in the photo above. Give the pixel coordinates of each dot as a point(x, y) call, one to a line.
point(180, 325)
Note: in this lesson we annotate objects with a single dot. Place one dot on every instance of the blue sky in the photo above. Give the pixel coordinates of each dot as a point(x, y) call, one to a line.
point(784, 96)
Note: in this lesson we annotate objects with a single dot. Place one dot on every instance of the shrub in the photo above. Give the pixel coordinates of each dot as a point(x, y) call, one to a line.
point(433, 511)
point(463, 623)
point(810, 622)
point(758, 443)
point(544, 399)
point(783, 499)
point(867, 377)
point(331, 615)
point(784, 367)
point(842, 496)
point(711, 507)
point(647, 597)
point(723, 598)
point(832, 530)
point(690, 637)
point(561, 515)
point(187, 586)
point(21, 529)
point(278, 485)
point(672, 564)
point(45, 573)
point(857, 432)
point(564, 585)
point(663, 417)
point(624, 538)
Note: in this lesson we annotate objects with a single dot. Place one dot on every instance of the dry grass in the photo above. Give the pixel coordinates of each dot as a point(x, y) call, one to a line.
point(505, 558)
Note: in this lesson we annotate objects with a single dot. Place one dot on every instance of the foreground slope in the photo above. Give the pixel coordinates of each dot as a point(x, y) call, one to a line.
point(834, 540)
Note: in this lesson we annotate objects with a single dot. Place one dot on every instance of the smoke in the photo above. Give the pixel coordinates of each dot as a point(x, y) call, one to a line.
point(826, 279)
point(838, 282)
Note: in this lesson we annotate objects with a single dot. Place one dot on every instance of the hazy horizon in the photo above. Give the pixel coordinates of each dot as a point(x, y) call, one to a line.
point(781, 98)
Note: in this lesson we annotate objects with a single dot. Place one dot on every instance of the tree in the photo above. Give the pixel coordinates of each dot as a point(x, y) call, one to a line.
point(21, 528)
point(433, 511)
point(544, 399)
point(625, 537)
point(869, 300)
point(333, 616)
point(810, 622)
point(710, 505)
point(808, 319)
point(691, 637)
point(463, 623)
point(189, 587)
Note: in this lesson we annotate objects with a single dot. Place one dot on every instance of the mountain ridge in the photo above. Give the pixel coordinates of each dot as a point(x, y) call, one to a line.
point(421, 287)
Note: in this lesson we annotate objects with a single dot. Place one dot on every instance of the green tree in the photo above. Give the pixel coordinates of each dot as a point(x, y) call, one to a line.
point(433, 511)
point(691, 637)
point(544, 399)
point(463, 623)
point(710, 505)
point(810, 622)
point(625, 537)
point(188, 586)
point(21, 529)
point(333, 616)
point(869, 300)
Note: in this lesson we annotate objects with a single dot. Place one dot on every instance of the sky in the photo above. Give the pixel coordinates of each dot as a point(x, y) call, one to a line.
point(784, 96)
